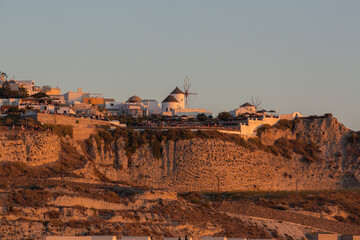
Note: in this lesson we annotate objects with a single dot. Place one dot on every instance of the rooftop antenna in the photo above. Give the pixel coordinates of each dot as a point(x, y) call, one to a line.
point(187, 85)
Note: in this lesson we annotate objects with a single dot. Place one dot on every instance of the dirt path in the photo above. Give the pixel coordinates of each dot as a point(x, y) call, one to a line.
point(280, 215)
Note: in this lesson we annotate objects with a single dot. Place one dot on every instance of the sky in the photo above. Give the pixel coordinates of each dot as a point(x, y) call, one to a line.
point(295, 55)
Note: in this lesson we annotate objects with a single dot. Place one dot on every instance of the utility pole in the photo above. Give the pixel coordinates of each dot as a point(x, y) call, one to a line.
point(61, 165)
point(218, 191)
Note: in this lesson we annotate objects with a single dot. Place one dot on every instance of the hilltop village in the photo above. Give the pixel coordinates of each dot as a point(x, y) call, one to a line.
point(25, 97)
point(74, 165)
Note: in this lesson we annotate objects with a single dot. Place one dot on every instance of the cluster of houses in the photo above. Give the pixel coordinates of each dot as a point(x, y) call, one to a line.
point(172, 105)
point(88, 104)
point(317, 236)
point(92, 105)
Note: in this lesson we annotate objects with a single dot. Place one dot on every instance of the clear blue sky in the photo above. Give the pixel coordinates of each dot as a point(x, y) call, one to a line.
point(299, 55)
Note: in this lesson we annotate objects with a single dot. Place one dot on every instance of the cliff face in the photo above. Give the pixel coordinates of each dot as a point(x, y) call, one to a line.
point(33, 148)
point(209, 164)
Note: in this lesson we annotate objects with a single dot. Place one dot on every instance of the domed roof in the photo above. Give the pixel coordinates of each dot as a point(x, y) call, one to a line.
point(177, 91)
point(134, 99)
point(170, 99)
point(247, 105)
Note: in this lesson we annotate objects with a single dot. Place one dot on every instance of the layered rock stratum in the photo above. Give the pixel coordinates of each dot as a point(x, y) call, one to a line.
point(60, 186)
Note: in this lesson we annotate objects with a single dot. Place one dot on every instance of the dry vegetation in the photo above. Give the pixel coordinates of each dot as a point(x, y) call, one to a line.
point(311, 201)
point(133, 140)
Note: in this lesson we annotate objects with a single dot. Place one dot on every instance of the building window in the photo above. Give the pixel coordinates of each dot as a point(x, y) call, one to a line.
point(167, 109)
point(170, 109)
point(111, 104)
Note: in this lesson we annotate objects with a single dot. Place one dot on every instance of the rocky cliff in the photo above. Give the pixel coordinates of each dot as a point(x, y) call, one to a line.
point(308, 153)
point(209, 164)
point(76, 196)
point(32, 148)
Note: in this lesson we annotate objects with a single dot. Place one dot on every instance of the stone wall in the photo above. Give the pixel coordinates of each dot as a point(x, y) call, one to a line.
point(71, 121)
point(33, 148)
point(249, 128)
point(83, 127)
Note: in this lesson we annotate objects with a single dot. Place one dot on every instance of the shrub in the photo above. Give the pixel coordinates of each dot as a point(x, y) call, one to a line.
point(52, 214)
point(262, 129)
point(32, 198)
point(61, 130)
point(89, 144)
point(56, 223)
point(284, 124)
point(9, 121)
point(111, 196)
point(353, 137)
point(156, 148)
point(201, 117)
point(308, 151)
point(13, 169)
point(13, 109)
point(79, 223)
point(106, 136)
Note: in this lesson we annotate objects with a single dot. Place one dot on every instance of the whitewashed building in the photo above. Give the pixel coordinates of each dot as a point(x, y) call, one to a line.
point(133, 107)
point(9, 101)
point(152, 105)
point(71, 97)
point(174, 105)
point(245, 108)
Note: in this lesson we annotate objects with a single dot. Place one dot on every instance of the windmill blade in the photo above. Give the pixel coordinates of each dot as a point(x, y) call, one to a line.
point(187, 84)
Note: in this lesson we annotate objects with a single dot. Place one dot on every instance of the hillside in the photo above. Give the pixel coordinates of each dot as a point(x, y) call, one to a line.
point(128, 183)
point(306, 154)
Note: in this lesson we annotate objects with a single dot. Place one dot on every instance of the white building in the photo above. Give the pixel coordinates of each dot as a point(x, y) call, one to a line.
point(179, 96)
point(245, 108)
point(249, 126)
point(291, 116)
point(133, 107)
point(71, 97)
point(9, 101)
point(169, 104)
point(152, 105)
point(174, 105)
point(322, 236)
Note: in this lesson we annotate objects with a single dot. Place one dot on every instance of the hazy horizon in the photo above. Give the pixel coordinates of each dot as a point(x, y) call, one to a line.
point(298, 55)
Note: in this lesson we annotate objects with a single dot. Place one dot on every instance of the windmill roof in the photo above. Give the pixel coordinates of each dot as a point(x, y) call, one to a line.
point(177, 91)
point(170, 99)
point(247, 105)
